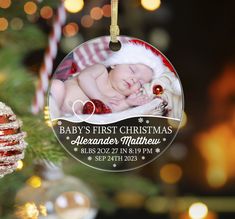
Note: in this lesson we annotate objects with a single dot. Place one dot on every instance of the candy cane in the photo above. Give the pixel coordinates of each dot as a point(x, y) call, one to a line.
point(50, 54)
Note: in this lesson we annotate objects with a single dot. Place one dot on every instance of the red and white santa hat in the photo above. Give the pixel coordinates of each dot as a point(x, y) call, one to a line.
point(139, 52)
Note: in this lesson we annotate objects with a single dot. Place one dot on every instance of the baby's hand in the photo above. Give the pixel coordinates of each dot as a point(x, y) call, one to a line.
point(137, 99)
point(111, 101)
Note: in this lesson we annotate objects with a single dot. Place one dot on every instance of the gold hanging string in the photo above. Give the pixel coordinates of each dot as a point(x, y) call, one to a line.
point(114, 28)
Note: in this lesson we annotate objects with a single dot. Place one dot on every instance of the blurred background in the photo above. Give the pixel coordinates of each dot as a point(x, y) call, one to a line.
point(194, 179)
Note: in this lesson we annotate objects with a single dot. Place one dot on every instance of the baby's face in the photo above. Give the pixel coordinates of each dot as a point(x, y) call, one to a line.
point(129, 78)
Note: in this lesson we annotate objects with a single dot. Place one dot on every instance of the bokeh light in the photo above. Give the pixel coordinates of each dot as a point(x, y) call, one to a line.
point(35, 182)
point(47, 117)
point(150, 5)
point(70, 29)
point(30, 8)
point(160, 38)
point(96, 13)
point(5, 3)
point(178, 151)
point(69, 43)
point(33, 18)
point(171, 173)
point(106, 10)
point(129, 199)
point(74, 6)
point(17, 23)
point(43, 210)
point(3, 24)
point(46, 12)
point(198, 211)
point(31, 210)
point(216, 176)
point(175, 123)
point(156, 204)
point(87, 21)
point(216, 146)
point(20, 165)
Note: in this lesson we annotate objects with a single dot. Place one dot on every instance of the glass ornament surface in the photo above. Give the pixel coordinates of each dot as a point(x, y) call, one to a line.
point(56, 196)
point(114, 110)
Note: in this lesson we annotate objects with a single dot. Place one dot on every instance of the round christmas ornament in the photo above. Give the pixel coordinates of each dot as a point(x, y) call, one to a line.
point(113, 100)
point(53, 195)
point(12, 142)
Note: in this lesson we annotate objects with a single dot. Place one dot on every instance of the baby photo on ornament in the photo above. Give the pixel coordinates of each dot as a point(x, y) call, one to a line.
point(133, 81)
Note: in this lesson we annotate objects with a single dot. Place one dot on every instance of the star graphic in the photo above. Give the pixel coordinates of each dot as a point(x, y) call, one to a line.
point(140, 120)
point(157, 150)
point(59, 123)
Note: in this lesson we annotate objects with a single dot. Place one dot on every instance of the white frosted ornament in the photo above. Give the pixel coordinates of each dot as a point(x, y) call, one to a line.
point(12, 144)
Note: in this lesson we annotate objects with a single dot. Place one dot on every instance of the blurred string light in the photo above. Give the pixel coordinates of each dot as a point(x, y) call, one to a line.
point(198, 211)
point(171, 173)
point(74, 6)
point(129, 199)
point(71, 29)
point(216, 145)
point(16, 23)
point(47, 117)
point(33, 18)
point(87, 21)
point(69, 43)
point(27, 211)
point(30, 8)
point(160, 38)
point(3, 24)
point(30, 211)
point(156, 204)
point(150, 5)
point(216, 176)
point(106, 10)
point(46, 12)
point(34, 181)
point(20, 165)
point(43, 210)
point(96, 13)
point(5, 4)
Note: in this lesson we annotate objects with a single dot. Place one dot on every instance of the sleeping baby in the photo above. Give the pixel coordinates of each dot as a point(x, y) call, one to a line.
point(117, 82)
point(118, 87)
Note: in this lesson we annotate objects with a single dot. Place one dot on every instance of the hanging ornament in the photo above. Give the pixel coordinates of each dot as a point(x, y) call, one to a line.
point(113, 111)
point(53, 195)
point(12, 142)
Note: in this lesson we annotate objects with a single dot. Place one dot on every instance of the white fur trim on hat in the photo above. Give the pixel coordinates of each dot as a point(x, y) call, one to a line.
point(133, 53)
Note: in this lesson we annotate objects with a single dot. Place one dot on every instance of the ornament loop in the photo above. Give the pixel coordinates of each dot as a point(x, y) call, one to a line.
point(114, 28)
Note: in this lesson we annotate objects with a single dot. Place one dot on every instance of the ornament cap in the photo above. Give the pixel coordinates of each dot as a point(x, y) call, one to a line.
point(48, 170)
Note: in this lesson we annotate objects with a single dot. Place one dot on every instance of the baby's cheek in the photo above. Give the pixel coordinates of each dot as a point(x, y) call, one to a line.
point(136, 87)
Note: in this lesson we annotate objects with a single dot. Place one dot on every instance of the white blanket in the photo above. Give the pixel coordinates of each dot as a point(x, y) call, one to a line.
point(154, 108)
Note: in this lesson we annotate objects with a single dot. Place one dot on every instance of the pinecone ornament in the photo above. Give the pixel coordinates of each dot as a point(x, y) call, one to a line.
point(12, 144)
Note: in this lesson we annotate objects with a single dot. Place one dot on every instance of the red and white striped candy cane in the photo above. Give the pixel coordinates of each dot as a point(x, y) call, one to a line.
point(50, 54)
